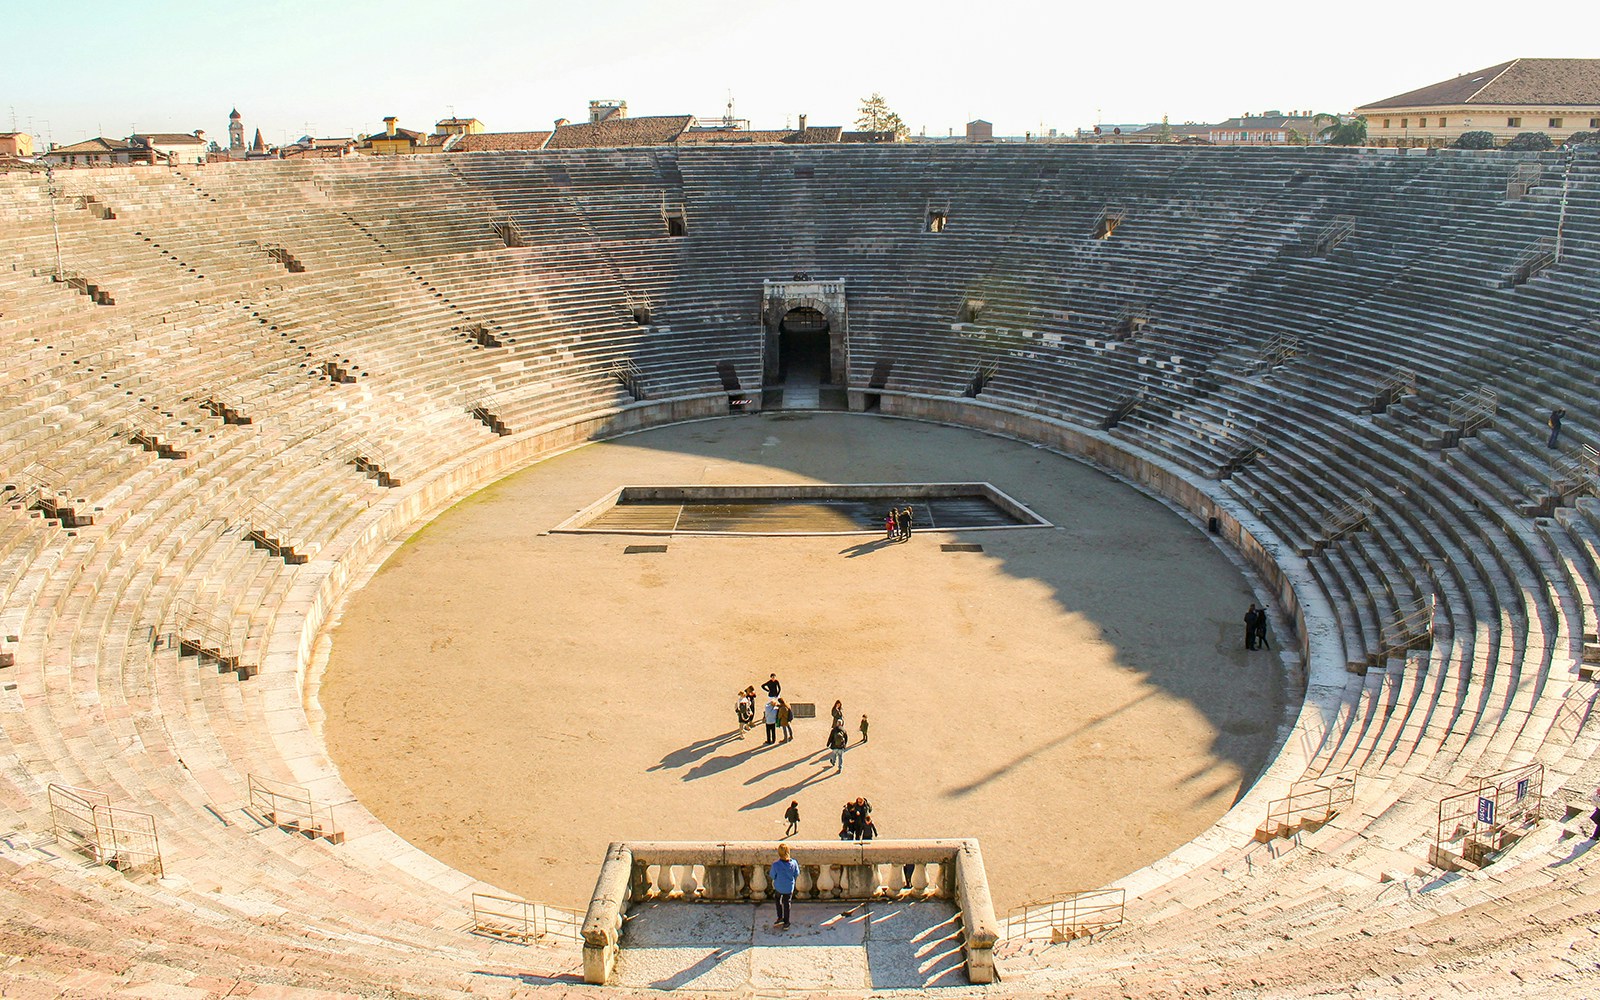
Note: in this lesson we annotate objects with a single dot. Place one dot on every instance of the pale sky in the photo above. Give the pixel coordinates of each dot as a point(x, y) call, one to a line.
point(79, 68)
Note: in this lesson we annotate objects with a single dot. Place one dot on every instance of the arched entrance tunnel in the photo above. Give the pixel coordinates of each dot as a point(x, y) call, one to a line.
point(803, 347)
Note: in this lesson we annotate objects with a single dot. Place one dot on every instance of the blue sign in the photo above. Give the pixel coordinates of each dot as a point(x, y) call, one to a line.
point(1485, 810)
point(1522, 789)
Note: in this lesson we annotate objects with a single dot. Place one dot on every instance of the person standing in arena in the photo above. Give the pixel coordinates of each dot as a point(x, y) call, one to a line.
point(837, 741)
point(792, 814)
point(786, 720)
point(769, 715)
point(1261, 630)
point(1251, 618)
point(772, 687)
point(1556, 416)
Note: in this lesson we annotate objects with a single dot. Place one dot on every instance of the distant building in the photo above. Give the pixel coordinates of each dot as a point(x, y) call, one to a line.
point(19, 144)
point(394, 141)
point(458, 126)
point(307, 148)
point(236, 134)
point(616, 130)
point(96, 152)
point(1270, 128)
point(1555, 96)
point(604, 111)
point(175, 147)
point(980, 131)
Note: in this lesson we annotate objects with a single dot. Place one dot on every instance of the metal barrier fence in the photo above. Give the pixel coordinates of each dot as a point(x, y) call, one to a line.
point(1316, 799)
point(519, 920)
point(85, 820)
point(292, 807)
point(1478, 822)
point(1068, 915)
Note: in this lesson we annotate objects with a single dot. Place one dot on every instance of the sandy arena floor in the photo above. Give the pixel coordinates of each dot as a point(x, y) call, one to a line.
point(1076, 696)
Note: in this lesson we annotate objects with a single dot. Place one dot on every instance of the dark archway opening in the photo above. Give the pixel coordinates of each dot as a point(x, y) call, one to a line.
point(804, 347)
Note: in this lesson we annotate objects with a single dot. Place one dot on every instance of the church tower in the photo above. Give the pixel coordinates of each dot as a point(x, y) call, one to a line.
point(235, 132)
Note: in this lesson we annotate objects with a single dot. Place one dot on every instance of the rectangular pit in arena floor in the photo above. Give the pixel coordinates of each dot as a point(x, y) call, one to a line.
point(799, 509)
point(880, 914)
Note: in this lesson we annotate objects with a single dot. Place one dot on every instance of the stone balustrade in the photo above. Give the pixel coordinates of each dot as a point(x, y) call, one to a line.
point(738, 872)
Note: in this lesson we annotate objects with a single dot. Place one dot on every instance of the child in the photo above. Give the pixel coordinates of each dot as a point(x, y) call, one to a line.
point(863, 728)
point(792, 814)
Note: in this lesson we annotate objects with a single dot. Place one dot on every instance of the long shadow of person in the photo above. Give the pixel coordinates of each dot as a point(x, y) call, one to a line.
point(864, 548)
point(684, 756)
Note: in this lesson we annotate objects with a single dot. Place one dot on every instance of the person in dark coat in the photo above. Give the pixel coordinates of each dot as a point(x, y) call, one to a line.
point(1556, 416)
point(1261, 630)
point(902, 520)
point(792, 814)
point(1252, 618)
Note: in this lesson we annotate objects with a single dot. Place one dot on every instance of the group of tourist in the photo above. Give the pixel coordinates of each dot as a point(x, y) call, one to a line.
point(855, 820)
point(1255, 628)
point(897, 524)
point(776, 715)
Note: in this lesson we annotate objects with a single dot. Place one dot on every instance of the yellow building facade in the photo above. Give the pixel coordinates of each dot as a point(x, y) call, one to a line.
point(1558, 97)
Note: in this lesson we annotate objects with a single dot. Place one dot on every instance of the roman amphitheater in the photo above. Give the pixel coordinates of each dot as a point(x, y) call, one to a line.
point(385, 541)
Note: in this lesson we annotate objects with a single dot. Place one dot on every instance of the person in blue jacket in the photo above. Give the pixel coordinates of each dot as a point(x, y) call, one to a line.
point(785, 871)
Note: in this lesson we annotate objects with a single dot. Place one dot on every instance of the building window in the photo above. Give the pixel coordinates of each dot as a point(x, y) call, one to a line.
point(1422, 123)
point(1594, 123)
point(1405, 123)
point(1444, 123)
point(1513, 123)
point(1555, 123)
point(1386, 123)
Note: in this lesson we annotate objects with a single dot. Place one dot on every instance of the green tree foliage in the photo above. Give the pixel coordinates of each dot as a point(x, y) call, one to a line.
point(1352, 132)
point(876, 117)
point(1530, 142)
point(1579, 138)
point(1475, 140)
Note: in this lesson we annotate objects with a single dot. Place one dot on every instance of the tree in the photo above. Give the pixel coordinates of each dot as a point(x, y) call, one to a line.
point(1579, 138)
point(1342, 132)
point(876, 117)
point(1475, 140)
point(1530, 142)
point(1294, 137)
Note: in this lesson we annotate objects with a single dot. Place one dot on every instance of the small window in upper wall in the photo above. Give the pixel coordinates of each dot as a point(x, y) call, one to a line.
point(1405, 123)
point(1422, 123)
point(1386, 123)
point(1555, 123)
point(936, 221)
point(1513, 123)
point(1444, 123)
point(1594, 123)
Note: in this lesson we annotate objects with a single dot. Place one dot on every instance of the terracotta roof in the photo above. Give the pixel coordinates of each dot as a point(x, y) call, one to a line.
point(816, 133)
point(400, 135)
point(169, 138)
point(96, 145)
point(812, 134)
point(500, 140)
point(621, 132)
point(1541, 82)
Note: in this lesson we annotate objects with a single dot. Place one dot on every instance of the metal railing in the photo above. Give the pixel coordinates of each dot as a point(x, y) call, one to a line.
point(85, 820)
point(1531, 261)
point(1488, 817)
point(519, 920)
point(1316, 800)
point(1068, 915)
point(1473, 409)
point(292, 807)
point(1409, 627)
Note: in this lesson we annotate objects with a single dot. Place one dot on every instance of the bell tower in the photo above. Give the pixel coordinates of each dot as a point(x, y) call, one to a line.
point(235, 132)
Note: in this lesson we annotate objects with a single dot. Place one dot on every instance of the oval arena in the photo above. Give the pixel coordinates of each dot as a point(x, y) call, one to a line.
point(236, 627)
